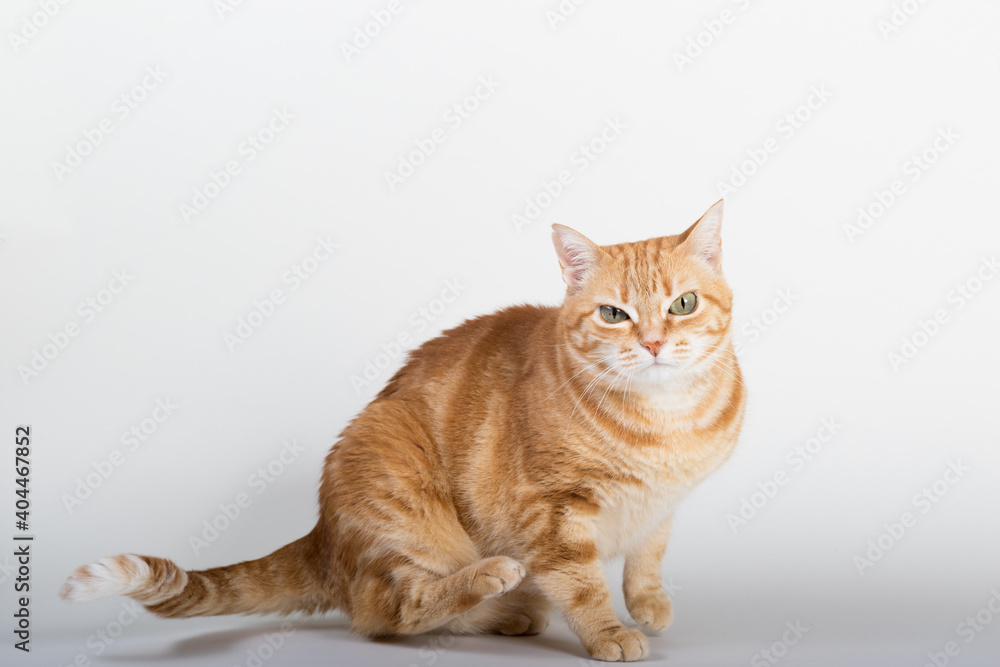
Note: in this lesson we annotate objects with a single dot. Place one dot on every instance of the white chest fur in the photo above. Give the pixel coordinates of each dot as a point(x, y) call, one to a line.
point(629, 518)
point(658, 480)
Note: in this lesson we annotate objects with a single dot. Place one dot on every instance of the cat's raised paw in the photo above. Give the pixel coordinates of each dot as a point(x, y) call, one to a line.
point(497, 575)
point(619, 644)
point(652, 610)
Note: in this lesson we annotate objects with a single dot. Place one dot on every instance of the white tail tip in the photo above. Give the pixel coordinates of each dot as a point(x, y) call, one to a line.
point(117, 575)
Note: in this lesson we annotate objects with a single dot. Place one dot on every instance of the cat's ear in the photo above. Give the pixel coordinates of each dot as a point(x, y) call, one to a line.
point(703, 239)
point(577, 255)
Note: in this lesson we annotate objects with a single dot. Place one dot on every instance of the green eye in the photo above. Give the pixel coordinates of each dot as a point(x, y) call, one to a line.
point(613, 315)
point(684, 304)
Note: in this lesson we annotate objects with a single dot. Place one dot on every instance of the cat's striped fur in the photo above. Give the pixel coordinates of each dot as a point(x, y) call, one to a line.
point(503, 462)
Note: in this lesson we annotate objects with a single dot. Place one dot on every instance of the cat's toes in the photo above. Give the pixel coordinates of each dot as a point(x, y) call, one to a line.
point(652, 610)
point(497, 575)
point(528, 622)
point(618, 644)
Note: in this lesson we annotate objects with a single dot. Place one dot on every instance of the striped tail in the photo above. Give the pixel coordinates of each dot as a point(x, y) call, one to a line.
point(283, 582)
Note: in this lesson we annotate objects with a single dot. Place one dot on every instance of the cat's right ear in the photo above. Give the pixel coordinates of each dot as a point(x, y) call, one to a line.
point(577, 255)
point(703, 239)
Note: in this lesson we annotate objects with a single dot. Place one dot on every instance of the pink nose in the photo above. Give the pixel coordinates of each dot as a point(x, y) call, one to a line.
point(653, 346)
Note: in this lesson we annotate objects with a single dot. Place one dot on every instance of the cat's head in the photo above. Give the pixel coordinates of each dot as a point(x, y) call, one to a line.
point(652, 311)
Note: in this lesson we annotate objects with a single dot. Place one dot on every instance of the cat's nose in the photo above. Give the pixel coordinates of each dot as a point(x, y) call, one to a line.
point(653, 346)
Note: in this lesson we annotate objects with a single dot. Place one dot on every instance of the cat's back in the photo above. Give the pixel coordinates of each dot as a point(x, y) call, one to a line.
point(486, 350)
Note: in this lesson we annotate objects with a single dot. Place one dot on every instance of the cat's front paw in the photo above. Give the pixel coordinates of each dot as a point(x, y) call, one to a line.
point(618, 644)
point(651, 610)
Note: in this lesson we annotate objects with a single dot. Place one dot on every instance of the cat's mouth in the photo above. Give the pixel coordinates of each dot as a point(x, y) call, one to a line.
point(662, 365)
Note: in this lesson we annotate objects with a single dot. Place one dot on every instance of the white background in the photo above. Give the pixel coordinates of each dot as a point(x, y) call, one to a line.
point(686, 129)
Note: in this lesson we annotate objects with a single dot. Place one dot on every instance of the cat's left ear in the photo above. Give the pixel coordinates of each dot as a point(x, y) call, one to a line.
point(577, 255)
point(703, 239)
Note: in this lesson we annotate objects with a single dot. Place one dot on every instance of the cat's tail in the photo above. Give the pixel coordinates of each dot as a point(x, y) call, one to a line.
point(283, 582)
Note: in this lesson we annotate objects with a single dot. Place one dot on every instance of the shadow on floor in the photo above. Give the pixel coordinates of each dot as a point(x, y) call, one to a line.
point(333, 635)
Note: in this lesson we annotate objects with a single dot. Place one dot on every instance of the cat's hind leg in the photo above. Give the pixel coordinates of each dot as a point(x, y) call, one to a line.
point(403, 556)
point(402, 598)
point(520, 612)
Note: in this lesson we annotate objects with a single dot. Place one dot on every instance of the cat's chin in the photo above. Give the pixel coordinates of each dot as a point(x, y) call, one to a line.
point(661, 373)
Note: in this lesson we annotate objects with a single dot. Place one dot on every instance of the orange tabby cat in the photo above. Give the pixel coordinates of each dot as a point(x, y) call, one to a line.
point(505, 461)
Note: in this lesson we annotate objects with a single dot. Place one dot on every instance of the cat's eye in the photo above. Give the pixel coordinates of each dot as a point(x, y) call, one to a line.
point(684, 304)
point(613, 315)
